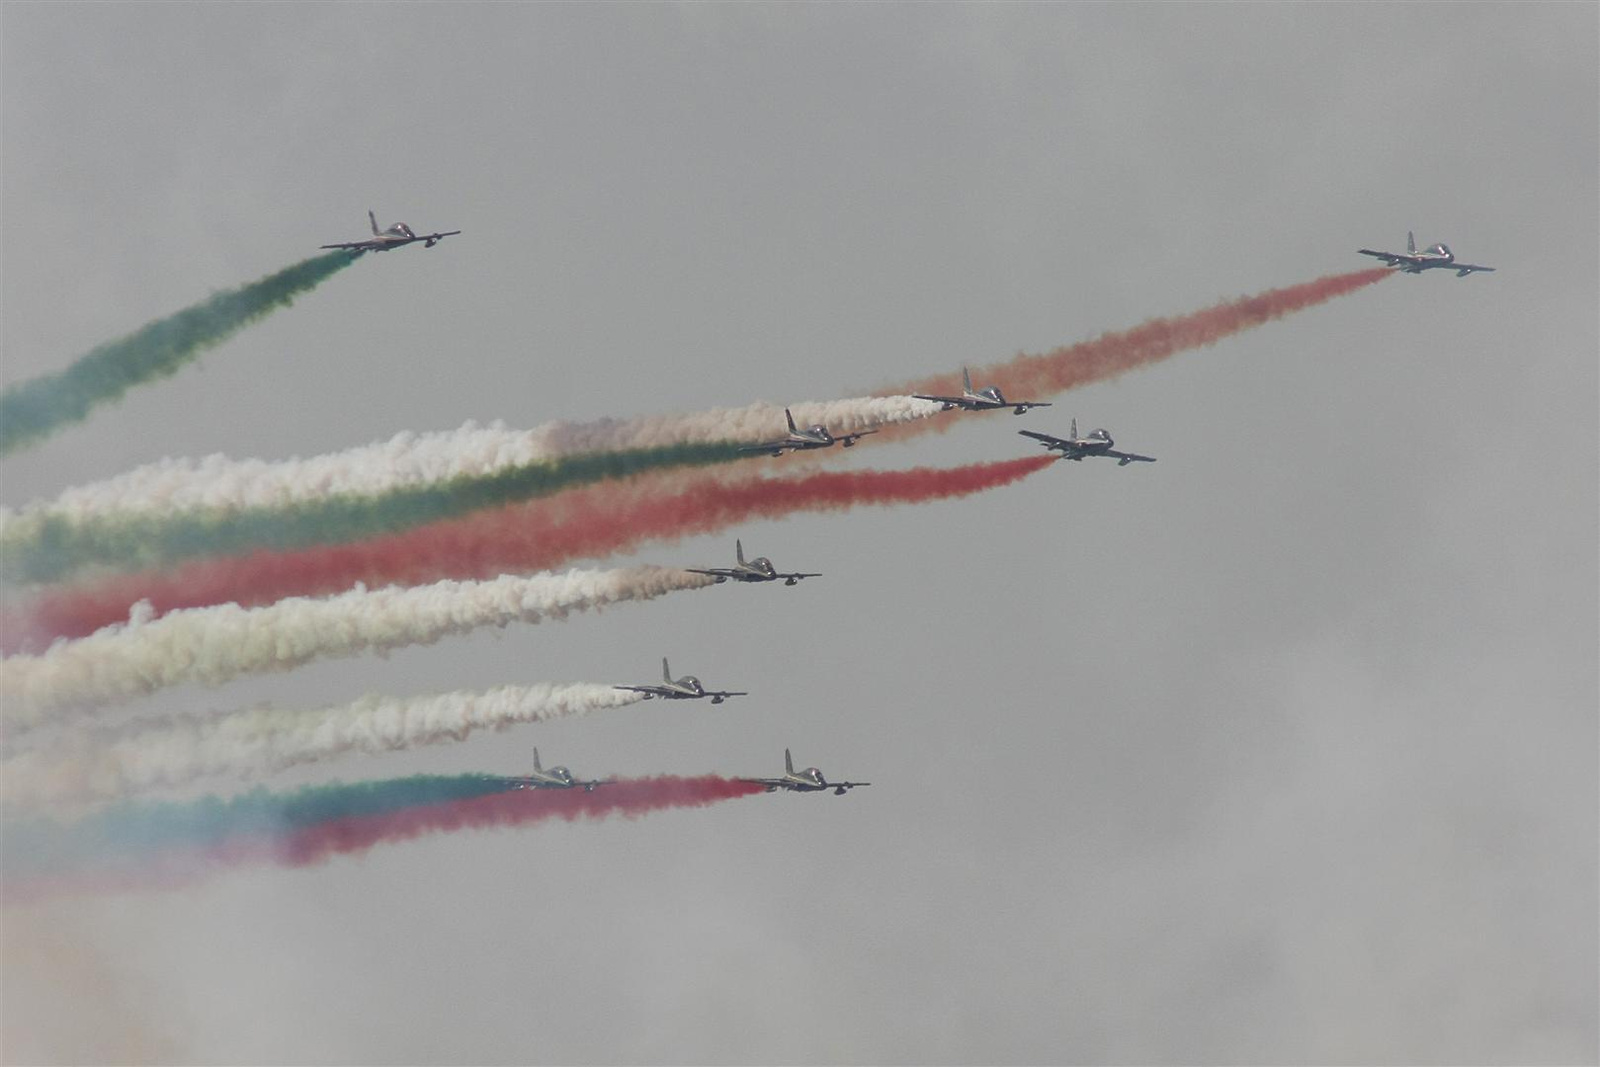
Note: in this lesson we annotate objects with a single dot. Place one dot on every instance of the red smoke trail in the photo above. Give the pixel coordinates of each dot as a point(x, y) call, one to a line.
point(1111, 354)
point(173, 868)
point(594, 521)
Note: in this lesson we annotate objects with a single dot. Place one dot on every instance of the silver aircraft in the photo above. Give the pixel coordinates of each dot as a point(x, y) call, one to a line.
point(1098, 443)
point(759, 569)
point(809, 780)
point(990, 399)
point(397, 236)
point(554, 778)
point(1414, 262)
point(686, 688)
point(802, 440)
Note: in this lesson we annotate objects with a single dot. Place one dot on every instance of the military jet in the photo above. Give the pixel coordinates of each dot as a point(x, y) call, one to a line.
point(397, 236)
point(990, 399)
point(1414, 262)
point(686, 688)
point(803, 440)
point(1098, 443)
point(554, 778)
point(757, 570)
point(809, 780)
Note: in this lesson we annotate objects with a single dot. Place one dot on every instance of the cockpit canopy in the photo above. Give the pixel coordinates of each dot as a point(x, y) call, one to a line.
point(689, 681)
point(560, 773)
point(813, 774)
point(1442, 250)
point(992, 393)
point(762, 564)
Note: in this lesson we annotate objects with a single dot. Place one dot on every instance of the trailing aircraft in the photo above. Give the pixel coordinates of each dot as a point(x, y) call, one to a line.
point(803, 440)
point(397, 236)
point(686, 688)
point(990, 399)
point(759, 569)
point(1414, 262)
point(809, 780)
point(554, 778)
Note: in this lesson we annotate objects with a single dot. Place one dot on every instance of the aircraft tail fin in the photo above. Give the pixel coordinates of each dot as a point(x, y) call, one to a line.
point(666, 673)
point(1073, 433)
point(1411, 242)
point(788, 762)
point(738, 549)
point(536, 766)
point(790, 417)
point(966, 379)
point(373, 218)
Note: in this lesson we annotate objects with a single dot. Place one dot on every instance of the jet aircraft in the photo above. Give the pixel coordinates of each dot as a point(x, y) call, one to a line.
point(686, 688)
point(759, 569)
point(397, 236)
point(990, 399)
point(802, 440)
point(1098, 443)
point(554, 778)
point(1414, 262)
point(809, 780)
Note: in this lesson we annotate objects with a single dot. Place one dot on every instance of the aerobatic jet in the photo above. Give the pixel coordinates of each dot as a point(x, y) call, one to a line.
point(759, 569)
point(686, 688)
point(1098, 443)
point(802, 440)
point(1414, 262)
point(397, 236)
point(554, 778)
point(809, 780)
point(990, 399)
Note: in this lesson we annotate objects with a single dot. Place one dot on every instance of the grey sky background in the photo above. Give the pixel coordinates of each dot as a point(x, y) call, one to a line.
point(1282, 749)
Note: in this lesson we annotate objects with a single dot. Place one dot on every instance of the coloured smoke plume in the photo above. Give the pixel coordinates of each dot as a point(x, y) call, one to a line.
point(179, 749)
point(34, 409)
point(1028, 377)
point(414, 459)
point(155, 846)
point(210, 646)
point(44, 549)
point(588, 523)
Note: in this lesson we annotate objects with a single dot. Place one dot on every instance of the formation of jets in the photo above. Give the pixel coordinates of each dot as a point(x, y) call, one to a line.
point(990, 399)
point(554, 778)
point(809, 780)
point(804, 440)
point(759, 569)
point(1439, 257)
point(397, 236)
point(686, 688)
point(1098, 443)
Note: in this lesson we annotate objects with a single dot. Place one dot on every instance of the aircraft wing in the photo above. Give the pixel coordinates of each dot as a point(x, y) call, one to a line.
point(792, 578)
point(719, 696)
point(647, 690)
point(355, 246)
point(719, 573)
point(1046, 440)
point(1024, 405)
point(840, 787)
point(1125, 458)
point(1394, 259)
point(1464, 269)
point(775, 447)
point(848, 439)
point(953, 401)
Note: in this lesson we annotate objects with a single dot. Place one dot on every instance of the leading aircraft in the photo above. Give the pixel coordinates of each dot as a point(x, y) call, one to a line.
point(686, 688)
point(803, 440)
point(809, 780)
point(759, 569)
point(990, 399)
point(397, 236)
point(1414, 262)
point(554, 778)
point(1098, 443)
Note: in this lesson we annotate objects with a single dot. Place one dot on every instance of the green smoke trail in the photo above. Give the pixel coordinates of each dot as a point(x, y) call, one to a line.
point(37, 847)
point(50, 548)
point(37, 408)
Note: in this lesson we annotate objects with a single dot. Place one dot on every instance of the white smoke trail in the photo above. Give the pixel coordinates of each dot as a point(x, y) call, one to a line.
point(213, 645)
point(259, 741)
point(410, 459)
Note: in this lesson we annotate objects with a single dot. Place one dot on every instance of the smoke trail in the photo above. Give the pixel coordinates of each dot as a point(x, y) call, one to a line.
point(248, 744)
point(214, 645)
point(1111, 354)
point(169, 845)
point(48, 549)
point(411, 459)
point(37, 408)
point(587, 523)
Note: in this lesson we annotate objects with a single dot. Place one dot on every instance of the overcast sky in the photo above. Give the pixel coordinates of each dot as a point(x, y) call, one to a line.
point(1282, 749)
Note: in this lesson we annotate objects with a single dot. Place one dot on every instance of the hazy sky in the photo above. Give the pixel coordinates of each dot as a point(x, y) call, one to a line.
point(1282, 749)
